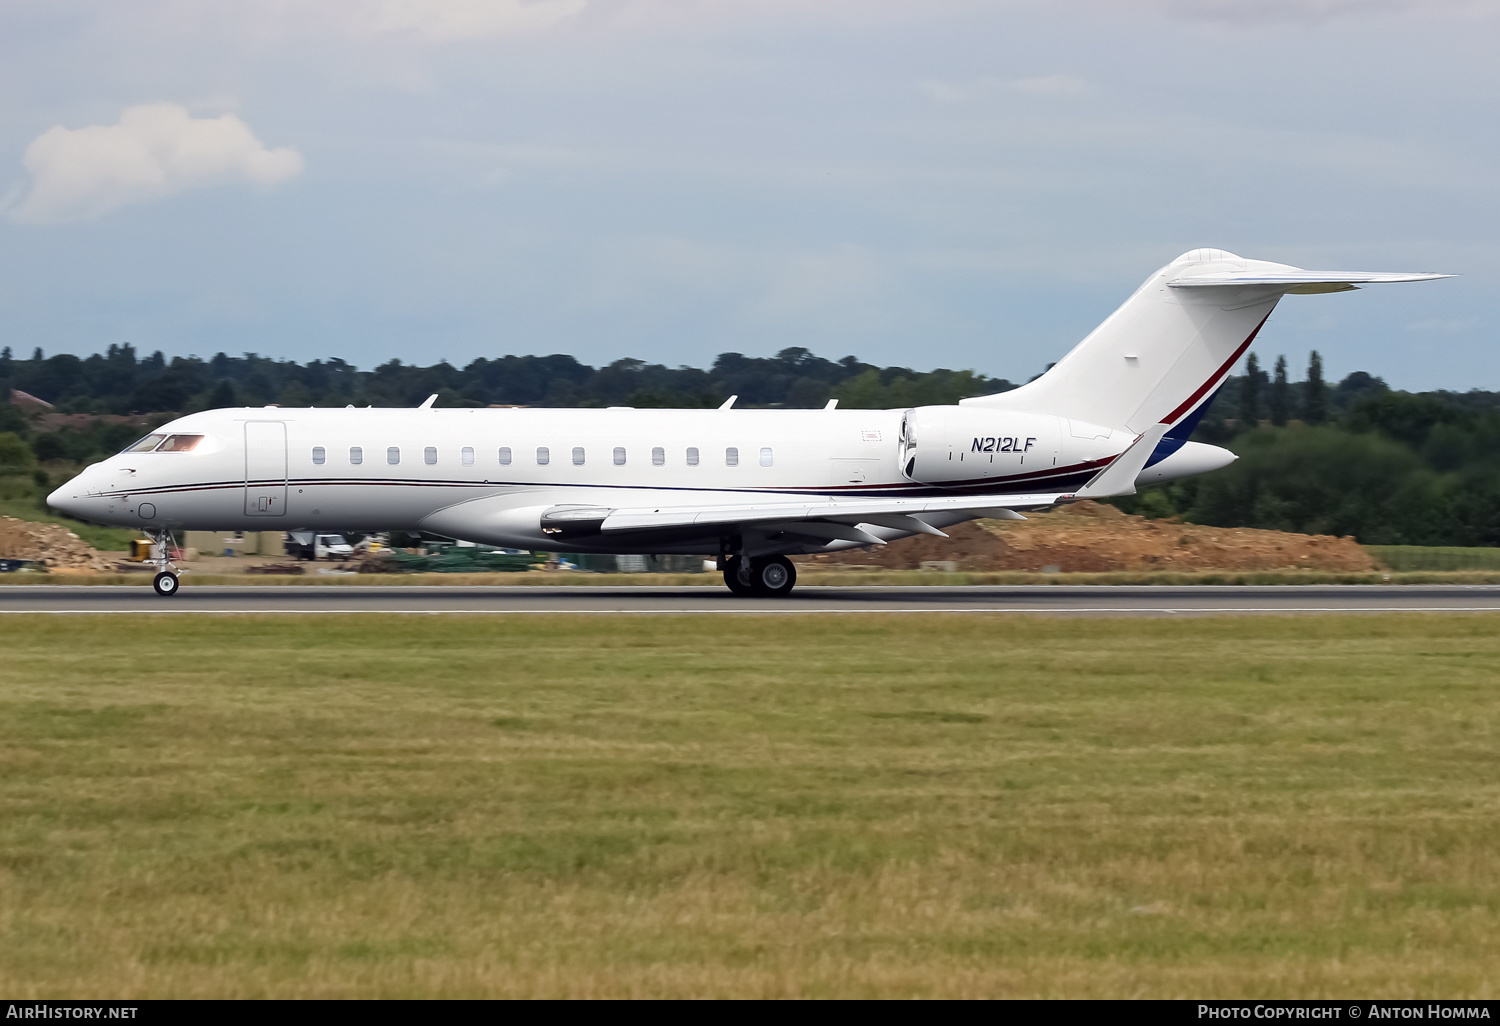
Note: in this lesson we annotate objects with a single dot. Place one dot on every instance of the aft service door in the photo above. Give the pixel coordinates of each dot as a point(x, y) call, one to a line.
point(265, 469)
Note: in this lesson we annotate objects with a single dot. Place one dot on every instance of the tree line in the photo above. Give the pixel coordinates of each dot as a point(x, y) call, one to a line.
point(1358, 458)
point(119, 381)
point(1354, 457)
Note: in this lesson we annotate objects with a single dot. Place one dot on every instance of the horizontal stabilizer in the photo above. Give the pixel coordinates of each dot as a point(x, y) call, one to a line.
point(1298, 281)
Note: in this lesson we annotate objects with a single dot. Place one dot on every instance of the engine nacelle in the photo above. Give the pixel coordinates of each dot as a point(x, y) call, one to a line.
point(963, 445)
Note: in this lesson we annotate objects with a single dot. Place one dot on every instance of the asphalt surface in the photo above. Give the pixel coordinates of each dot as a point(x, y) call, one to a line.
point(1081, 600)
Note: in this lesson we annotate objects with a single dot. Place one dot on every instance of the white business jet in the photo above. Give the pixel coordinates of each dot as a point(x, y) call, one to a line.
point(749, 487)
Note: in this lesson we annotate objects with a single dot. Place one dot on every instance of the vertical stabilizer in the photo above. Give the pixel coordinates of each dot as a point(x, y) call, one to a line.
point(1162, 354)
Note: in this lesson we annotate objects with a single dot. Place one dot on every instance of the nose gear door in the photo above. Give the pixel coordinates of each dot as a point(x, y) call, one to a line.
point(265, 468)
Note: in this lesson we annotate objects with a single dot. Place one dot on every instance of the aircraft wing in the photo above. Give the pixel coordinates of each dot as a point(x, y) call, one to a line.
point(831, 519)
point(846, 511)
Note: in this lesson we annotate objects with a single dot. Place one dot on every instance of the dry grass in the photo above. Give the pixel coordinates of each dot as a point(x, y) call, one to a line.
point(809, 805)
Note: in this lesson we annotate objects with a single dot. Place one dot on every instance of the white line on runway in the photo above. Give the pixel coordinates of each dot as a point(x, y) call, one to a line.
point(1175, 610)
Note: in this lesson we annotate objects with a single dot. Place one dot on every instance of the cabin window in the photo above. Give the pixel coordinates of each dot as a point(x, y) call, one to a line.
point(577, 455)
point(146, 444)
point(466, 456)
point(731, 457)
point(393, 455)
point(692, 456)
point(765, 457)
point(429, 456)
point(505, 455)
point(356, 455)
point(320, 455)
point(658, 457)
point(619, 455)
point(179, 443)
point(542, 455)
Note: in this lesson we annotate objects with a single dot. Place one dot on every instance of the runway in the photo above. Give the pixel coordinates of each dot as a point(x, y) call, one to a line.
point(1063, 600)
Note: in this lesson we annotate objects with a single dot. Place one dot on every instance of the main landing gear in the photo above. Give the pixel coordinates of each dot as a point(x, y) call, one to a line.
point(765, 577)
point(165, 582)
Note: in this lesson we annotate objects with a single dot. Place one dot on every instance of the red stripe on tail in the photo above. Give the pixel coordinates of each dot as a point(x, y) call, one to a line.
point(1192, 400)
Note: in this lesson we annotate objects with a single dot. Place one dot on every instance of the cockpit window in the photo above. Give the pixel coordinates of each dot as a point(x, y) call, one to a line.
point(179, 443)
point(146, 444)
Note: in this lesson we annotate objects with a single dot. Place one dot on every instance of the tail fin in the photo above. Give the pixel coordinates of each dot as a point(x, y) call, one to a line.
point(1168, 348)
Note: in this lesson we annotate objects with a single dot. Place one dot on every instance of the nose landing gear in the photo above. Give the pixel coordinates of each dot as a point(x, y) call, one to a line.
point(165, 582)
point(765, 577)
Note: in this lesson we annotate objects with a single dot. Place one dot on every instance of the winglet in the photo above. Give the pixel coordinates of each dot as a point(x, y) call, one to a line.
point(427, 404)
point(1119, 477)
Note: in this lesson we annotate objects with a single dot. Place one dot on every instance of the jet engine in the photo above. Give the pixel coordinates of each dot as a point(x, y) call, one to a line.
point(961, 445)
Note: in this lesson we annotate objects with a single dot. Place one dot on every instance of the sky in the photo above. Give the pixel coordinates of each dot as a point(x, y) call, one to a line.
point(929, 183)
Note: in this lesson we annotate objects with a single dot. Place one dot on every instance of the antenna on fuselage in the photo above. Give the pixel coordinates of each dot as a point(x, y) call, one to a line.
point(832, 404)
point(729, 402)
point(427, 404)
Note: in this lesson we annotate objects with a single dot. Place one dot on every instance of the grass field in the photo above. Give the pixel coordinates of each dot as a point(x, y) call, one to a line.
point(1435, 557)
point(810, 805)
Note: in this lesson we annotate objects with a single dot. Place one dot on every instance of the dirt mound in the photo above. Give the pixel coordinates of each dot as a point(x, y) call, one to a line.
point(1091, 537)
point(52, 545)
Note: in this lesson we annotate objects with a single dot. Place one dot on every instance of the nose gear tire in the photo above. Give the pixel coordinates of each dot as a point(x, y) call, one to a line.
point(165, 584)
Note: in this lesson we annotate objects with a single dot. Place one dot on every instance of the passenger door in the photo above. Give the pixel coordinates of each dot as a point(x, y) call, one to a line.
point(265, 468)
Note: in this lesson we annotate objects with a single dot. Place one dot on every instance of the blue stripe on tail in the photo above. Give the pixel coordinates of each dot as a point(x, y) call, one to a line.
point(1180, 432)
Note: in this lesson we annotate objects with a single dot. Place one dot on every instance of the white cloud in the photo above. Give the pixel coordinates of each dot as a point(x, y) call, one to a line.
point(156, 150)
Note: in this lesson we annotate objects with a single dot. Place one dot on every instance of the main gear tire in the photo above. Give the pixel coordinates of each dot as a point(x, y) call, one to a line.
point(737, 576)
point(773, 577)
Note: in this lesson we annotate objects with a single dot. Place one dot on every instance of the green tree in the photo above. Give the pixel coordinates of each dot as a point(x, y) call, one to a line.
point(222, 397)
point(15, 454)
point(1327, 481)
point(1280, 394)
point(1315, 398)
point(1250, 392)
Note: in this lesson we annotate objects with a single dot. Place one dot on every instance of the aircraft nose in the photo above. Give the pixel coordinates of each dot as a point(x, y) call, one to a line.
point(68, 499)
